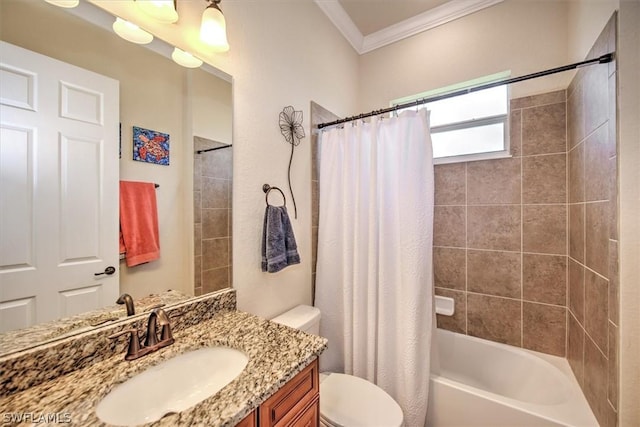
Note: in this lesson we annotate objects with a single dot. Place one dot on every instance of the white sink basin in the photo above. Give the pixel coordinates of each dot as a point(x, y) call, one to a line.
point(172, 386)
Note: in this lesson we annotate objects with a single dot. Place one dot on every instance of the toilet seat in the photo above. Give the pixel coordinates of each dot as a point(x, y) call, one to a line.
point(348, 401)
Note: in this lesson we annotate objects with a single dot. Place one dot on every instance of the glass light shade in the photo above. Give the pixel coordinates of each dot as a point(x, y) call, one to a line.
point(161, 10)
point(131, 32)
point(185, 58)
point(213, 30)
point(64, 3)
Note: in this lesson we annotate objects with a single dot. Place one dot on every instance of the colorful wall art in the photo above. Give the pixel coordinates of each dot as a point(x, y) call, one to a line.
point(150, 146)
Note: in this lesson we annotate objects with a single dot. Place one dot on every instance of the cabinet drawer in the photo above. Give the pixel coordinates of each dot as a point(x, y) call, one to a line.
point(250, 420)
point(288, 402)
point(310, 417)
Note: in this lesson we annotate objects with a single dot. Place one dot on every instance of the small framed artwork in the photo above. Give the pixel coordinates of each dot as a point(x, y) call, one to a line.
point(150, 146)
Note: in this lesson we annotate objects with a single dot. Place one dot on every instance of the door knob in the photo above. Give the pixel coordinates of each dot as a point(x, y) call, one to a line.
point(108, 271)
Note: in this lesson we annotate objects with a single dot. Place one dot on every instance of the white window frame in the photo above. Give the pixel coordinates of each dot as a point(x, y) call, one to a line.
point(469, 124)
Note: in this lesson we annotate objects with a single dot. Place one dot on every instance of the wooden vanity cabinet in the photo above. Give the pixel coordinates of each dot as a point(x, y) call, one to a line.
point(296, 404)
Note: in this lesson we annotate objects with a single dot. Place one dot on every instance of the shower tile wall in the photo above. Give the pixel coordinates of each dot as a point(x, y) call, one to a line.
point(500, 234)
point(212, 217)
point(593, 231)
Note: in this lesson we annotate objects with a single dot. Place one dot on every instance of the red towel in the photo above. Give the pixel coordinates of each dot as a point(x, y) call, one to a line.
point(139, 236)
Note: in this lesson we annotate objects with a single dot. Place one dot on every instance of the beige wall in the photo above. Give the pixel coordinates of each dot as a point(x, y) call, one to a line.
point(586, 19)
point(282, 53)
point(521, 36)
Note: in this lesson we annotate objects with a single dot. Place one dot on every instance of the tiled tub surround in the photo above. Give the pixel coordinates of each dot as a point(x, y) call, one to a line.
point(29, 368)
point(276, 353)
point(593, 299)
point(23, 339)
point(500, 234)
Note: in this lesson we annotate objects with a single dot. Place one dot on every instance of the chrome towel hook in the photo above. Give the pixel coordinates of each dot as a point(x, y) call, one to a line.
point(267, 189)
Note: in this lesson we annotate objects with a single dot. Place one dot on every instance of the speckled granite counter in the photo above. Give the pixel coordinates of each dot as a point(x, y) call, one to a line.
point(276, 353)
point(23, 339)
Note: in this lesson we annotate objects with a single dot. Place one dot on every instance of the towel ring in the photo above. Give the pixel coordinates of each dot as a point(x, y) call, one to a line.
point(267, 189)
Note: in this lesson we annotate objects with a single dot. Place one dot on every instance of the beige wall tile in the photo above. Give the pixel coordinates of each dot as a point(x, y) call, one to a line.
point(314, 248)
point(613, 199)
point(197, 207)
point(576, 232)
point(576, 174)
point(315, 203)
point(449, 226)
point(214, 280)
point(576, 290)
point(215, 253)
point(494, 182)
point(544, 129)
point(494, 227)
point(544, 278)
point(457, 322)
point(596, 295)
point(215, 223)
point(595, 380)
point(597, 166)
point(544, 229)
point(596, 98)
point(544, 179)
point(494, 273)
point(544, 328)
point(597, 237)
point(613, 114)
point(197, 272)
point(555, 97)
point(197, 239)
point(449, 268)
point(515, 132)
point(450, 188)
point(612, 366)
point(215, 193)
point(494, 318)
point(217, 164)
point(575, 349)
point(575, 114)
point(614, 283)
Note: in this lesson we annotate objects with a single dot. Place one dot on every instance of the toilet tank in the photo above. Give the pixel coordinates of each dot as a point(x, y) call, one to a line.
point(303, 317)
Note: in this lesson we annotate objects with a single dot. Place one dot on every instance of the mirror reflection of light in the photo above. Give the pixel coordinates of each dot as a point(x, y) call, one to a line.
point(131, 32)
point(64, 3)
point(161, 10)
point(185, 58)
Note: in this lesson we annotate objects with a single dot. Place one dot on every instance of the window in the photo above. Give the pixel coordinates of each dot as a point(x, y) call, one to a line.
point(468, 127)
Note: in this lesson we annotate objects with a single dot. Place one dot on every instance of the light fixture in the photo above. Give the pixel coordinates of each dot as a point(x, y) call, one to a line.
point(213, 30)
point(185, 58)
point(131, 32)
point(161, 10)
point(64, 3)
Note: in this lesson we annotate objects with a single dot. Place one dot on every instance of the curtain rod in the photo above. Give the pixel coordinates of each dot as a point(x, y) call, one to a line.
point(603, 59)
point(213, 149)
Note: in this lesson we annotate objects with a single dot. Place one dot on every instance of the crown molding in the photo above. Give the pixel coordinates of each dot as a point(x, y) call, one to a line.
point(437, 16)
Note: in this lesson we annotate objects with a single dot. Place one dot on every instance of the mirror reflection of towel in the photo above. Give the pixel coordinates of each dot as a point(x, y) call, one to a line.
point(139, 222)
point(279, 248)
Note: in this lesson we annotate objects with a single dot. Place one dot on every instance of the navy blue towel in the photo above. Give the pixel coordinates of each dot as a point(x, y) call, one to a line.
point(279, 248)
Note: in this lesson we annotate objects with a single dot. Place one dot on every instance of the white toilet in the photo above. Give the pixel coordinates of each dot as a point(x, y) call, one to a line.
point(345, 400)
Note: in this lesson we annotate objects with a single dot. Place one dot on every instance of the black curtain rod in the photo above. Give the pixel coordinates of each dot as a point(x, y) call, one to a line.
point(213, 149)
point(600, 60)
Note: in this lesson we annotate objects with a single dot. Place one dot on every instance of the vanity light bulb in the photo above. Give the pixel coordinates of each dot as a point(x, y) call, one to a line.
point(64, 3)
point(213, 30)
point(161, 10)
point(185, 58)
point(131, 32)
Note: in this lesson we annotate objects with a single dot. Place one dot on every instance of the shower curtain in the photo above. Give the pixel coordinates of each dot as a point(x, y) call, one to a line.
point(374, 282)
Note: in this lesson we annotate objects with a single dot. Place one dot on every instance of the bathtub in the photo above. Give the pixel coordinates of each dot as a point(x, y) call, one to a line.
point(475, 382)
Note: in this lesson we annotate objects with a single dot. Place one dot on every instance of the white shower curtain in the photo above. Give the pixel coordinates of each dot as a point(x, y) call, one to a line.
point(374, 273)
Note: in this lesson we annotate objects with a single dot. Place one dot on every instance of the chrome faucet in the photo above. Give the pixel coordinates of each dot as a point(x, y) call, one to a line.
point(151, 343)
point(127, 300)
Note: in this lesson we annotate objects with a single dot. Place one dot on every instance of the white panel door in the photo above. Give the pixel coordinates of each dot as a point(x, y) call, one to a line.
point(59, 174)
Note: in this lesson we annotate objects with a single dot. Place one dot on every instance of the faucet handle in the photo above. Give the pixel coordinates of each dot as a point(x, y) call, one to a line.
point(133, 350)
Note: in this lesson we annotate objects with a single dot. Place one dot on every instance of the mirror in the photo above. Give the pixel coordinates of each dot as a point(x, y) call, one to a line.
point(193, 106)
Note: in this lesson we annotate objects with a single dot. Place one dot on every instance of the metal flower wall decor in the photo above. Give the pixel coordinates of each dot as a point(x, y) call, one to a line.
point(292, 130)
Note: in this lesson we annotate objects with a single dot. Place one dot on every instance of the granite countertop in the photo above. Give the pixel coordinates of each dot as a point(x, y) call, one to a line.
point(276, 354)
point(22, 339)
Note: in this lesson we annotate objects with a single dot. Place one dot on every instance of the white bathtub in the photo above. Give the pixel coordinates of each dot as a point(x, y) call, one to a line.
point(475, 382)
